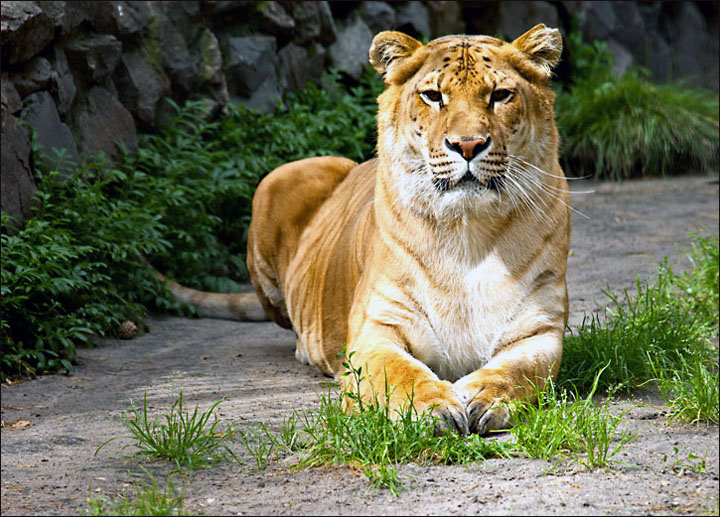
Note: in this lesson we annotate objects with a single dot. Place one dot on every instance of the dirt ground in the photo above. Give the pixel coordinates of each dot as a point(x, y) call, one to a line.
point(49, 467)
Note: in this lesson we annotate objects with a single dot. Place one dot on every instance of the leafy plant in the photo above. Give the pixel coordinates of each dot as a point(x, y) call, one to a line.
point(188, 440)
point(72, 272)
point(183, 201)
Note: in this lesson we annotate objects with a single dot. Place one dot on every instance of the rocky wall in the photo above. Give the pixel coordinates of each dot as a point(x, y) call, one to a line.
point(86, 75)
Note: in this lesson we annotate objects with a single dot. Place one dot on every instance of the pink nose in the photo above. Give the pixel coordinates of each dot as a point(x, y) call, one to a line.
point(468, 148)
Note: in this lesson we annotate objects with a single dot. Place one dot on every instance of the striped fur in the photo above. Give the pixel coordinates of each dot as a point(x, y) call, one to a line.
point(443, 275)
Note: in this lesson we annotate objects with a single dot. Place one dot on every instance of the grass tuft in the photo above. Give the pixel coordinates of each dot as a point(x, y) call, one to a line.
point(661, 334)
point(628, 127)
point(563, 425)
point(147, 500)
point(369, 437)
point(190, 440)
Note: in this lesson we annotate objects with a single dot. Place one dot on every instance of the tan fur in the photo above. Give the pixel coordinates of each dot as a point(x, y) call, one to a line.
point(444, 275)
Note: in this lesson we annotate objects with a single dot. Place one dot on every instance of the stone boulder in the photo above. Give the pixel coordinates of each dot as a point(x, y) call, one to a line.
point(99, 122)
point(695, 47)
point(208, 56)
point(140, 86)
point(169, 46)
point(123, 19)
point(313, 22)
point(446, 18)
point(67, 16)
point(63, 87)
point(32, 76)
point(249, 62)
point(351, 50)
point(10, 97)
point(93, 57)
point(274, 19)
point(516, 18)
point(298, 65)
point(25, 30)
point(16, 180)
point(378, 16)
point(50, 132)
point(413, 18)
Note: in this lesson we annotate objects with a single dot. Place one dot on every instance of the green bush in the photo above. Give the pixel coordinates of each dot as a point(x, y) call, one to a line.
point(184, 201)
point(215, 167)
point(73, 271)
point(627, 126)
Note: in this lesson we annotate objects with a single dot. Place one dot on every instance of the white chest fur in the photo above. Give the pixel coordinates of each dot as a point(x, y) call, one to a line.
point(465, 318)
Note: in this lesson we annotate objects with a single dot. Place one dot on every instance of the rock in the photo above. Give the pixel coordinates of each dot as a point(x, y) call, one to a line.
point(515, 18)
point(659, 57)
point(16, 180)
point(24, 31)
point(299, 65)
point(75, 14)
point(140, 86)
point(209, 59)
point(41, 113)
point(123, 19)
point(350, 50)
point(63, 87)
point(216, 8)
point(249, 61)
point(32, 76)
point(55, 11)
point(100, 121)
point(274, 19)
point(378, 16)
point(265, 97)
point(446, 18)
point(307, 21)
point(328, 31)
point(10, 97)
point(166, 41)
point(695, 49)
point(93, 56)
point(413, 19)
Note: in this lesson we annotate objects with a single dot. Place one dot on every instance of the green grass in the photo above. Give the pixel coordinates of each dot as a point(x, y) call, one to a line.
point(190, 440)
point(690, 390)
point(564, 425)
point(377, 442)
point(371, 439)
point(658, 329)
point(146, 500)
point(662, 334)
point(627, 126)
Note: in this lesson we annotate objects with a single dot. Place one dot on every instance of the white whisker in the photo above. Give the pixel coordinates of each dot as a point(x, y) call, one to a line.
point(546, 172)
point(524, 173)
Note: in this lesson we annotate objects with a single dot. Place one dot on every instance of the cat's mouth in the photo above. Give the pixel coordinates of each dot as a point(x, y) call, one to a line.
point(468, 180)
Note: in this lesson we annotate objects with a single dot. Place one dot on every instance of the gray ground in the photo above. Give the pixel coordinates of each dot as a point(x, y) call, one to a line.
point(48, 466)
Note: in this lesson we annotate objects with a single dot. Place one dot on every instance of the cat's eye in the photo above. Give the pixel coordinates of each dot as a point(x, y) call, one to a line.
point(433, 96)
point(500, 95)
